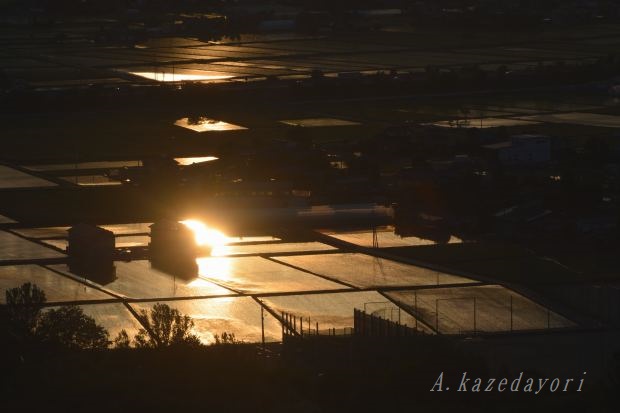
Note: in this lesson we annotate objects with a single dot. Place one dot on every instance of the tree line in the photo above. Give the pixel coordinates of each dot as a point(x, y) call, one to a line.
point(27, 323)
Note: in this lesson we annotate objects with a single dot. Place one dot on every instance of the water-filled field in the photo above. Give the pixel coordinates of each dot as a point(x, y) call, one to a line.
point(240, 316)
point(385, 238)
point(487, 308)
point(13, 247)
point(317, 287)
point(12, 178)
point(137, 279)
point(362, 270)
point(57, 288)
point(253, 275)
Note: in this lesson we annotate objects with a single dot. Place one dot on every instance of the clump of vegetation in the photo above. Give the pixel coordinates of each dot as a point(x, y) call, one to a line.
point(164, 326)
point(63, 327)
point(68, 327)
point(226, 338)
point(23, 307)
point(122, 340)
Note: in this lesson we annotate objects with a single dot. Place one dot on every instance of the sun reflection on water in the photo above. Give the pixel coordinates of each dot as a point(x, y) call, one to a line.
point(210, 268)
point(215, 268)
point(204, 235)
point(164, 76)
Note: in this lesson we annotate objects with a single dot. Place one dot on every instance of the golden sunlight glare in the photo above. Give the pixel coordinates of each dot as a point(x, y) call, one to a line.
point(205, 235)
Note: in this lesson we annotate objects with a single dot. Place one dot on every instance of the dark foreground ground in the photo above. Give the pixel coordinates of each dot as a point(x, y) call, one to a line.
point(337, 375)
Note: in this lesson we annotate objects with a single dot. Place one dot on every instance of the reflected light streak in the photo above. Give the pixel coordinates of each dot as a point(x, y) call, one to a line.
point(198, 283)
point(215, 268)
point(204, 235)
point(179, 77)
point(191, 161)
point(211, 268)
point(204, 124)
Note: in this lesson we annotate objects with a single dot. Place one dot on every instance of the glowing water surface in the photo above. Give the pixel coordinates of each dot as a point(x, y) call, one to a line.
point(260, 275)
point(180, 77)
point(221, 244)
point(204, 235)
point(240, 316)
point(193, 160)
point(57, 288)
point(203, 124)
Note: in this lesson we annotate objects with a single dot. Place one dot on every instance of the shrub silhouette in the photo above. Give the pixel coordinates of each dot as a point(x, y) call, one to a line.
point(226, 338)
point(69, 327)
point(122, 340)
point(23, 307)
point(65, 327)
point(164, 327)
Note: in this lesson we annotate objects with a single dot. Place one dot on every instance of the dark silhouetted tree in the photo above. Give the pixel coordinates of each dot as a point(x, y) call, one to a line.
point(122, 340)
point(69, 327)
point(63, 327)
point(226, 338)
point(165, 326)
point(23, 307)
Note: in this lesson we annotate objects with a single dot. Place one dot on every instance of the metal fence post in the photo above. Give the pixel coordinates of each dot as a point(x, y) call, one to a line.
point(262, 325)
point(511, 316)
point(415, 304)
point(437, 315)
point(474, 315)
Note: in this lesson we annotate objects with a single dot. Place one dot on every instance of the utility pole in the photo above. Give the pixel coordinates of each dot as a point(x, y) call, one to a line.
point(375, 238)
point(262, 325)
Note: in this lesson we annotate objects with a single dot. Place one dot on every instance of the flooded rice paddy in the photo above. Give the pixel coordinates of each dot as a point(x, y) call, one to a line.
point(83, 165)
point(488, 308)
point(6, 220)
point(43, 64)
point(364, 271)
point(254, 274)
point(14, 247)
point(203, 124)
point(137, 279)
point(195, 160)
point(90, 180)
point(13, 178)
point(57, 287)
point(318, 122)
point(312, 280)
point(385, 238)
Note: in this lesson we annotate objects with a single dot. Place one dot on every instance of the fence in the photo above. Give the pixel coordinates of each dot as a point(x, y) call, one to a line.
point(473, 314)
point(495, 312)
point(364, 324)
point(296, 326)
point(369, 325)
